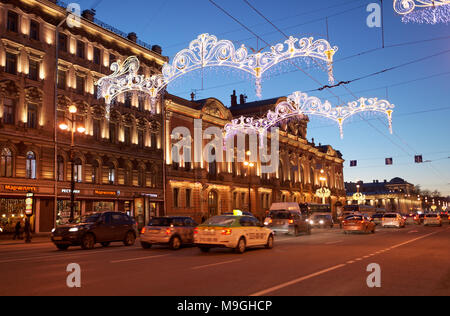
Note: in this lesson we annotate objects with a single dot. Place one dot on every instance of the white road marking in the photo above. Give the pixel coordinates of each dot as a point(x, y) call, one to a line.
point(215, 264)
point(333, 242)
point(310, 276)
point(140, 258)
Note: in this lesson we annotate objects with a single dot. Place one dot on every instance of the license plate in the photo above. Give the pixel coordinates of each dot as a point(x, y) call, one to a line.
point(57, 238)
point(208, 240)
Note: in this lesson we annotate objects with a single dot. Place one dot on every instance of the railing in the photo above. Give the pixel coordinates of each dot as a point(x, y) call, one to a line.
point(110, 28)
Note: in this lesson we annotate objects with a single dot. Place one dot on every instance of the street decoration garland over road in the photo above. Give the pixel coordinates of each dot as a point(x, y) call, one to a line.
point(299, 105)
point(423, 11)
point(207, 51)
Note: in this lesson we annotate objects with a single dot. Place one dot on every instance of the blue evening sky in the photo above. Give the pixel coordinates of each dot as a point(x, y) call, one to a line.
point(420, 91)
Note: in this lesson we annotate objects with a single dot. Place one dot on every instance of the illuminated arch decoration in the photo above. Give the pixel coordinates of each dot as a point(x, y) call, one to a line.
point(423, 11)
point(207, 51)
point(299, 105)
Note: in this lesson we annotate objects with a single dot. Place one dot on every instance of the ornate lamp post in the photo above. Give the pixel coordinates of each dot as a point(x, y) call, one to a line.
point(359, 196)
point(323, 192)
point(73, 129)
point(249, 165)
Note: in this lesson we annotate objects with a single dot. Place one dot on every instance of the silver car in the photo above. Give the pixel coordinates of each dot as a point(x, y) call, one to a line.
point(173, 231)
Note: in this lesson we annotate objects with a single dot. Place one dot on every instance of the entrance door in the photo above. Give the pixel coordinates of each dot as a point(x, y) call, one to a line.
point(213, 203)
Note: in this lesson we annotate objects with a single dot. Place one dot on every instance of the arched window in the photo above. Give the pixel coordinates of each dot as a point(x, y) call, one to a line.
point(128, 176)
point(141, 178)
point(31, 165)
point(78, 170)
point(213, 164)
point(95, 172)
point(60, 168)
point(6, 164)
point(111, 173)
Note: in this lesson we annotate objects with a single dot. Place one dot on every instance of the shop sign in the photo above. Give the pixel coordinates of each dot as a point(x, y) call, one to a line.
point(106, 193)
point(29, 204)
point(20, 188)
point(152, 196)
point(68, 191)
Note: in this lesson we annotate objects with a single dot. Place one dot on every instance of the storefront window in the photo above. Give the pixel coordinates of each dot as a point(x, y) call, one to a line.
point(103, 206)
point(63, 215)
point(11, 211)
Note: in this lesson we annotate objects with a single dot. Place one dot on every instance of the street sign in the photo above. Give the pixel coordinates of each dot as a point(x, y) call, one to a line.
point(29, 204)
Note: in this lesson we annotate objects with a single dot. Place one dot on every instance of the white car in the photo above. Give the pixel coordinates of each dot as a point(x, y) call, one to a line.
point(393, 220)
point(432, 220)
point(235, 232)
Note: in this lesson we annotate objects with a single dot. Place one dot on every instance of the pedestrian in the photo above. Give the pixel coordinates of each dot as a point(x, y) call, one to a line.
point(27, 229)
point(203, 219)
point(17, 229)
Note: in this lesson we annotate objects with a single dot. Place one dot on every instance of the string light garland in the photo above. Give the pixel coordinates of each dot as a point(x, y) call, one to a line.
point(299, 105)
point(207, 51)
point(423, 11)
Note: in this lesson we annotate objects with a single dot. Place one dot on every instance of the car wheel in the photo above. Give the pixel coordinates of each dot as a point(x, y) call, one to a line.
point(105, 244)
point(62, 247)
point(269, 244)
point(240, 248)
point(88, 242)
point(175, 243)
point(130, 239)
point(205, 249)
point(146, 245)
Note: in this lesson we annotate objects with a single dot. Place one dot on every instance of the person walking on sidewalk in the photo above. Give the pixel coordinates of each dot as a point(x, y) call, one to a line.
point(17, 230)
point(27, 230)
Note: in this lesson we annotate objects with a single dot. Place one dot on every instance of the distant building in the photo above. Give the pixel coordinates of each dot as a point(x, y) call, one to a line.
point(396, 195)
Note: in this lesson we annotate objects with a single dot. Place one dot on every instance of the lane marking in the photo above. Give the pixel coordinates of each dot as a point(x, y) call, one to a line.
point(283, 285)
point(334, 242)
point(140, 258)
point(215, 264)
point(310, 276)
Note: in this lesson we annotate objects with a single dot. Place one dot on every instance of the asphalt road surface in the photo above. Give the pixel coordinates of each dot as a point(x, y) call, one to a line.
point(413, 261)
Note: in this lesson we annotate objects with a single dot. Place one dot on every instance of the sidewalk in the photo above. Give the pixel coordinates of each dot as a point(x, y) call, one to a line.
point(6, 240)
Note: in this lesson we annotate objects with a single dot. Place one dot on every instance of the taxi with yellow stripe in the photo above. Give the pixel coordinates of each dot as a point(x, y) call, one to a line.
point(234, 231)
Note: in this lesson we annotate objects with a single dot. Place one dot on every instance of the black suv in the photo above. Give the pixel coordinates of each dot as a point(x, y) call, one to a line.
point(102, 228)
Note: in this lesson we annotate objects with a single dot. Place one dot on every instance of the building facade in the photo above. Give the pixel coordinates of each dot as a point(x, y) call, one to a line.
point(202, 189)
point(117, 163)
point(396, 195)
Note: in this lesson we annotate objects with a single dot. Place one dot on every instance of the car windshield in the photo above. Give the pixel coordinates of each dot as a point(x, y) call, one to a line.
point(160, 221)
point(93, 218)
point(378, 216)
point(354, 218)
point(222, 221)
point(322, 216)
point(431, 216)
point(280, 215)
point(390, 216)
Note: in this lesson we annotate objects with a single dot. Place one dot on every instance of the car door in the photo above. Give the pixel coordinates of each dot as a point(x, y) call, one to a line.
point(119, 226)
point(245, 229)
point(260, 232)
point(189, 226)
point(103, 230)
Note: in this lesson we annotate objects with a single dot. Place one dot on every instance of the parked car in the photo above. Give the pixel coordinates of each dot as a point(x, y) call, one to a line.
point(432, 220)
point(321, 221)
point(286, 218)
point(102, 228)
point(378, 218)
point(358, 223)
point(173, 231)
point(235, 232)
point(393, 220)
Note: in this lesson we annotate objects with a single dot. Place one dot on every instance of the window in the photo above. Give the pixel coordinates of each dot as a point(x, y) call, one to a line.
point(97, 130)
point(153, 139)
point(97, 56)
point(141, 178)
point(62, 79)
point(127, 135)
point(112, 133)
point(31, 165)
point(95, 169)
point(128, 98)
point(128, 176)
point(80, 84)
point(188, 198)
point(33, 70)
point(112, 174)
point(78, 170)
point(13, 22)
point(176, 195)
point(11, 63)
point(6, 163)
point(60, 168)
point(213, 164)
point(62, 42)
point(34, 30)
point(141, 138)
point(32, 114)
point(9, 107)
point(80, 49)
point(112, 59)
point(235, 200)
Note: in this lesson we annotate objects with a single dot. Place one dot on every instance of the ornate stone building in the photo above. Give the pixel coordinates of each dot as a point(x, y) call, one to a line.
point(203, 189)
point(118, 163)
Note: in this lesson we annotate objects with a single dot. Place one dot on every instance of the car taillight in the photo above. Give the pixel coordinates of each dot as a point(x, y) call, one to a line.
point(168, 231)
point(226, 232)
point(291, 221)
point(195, 231)
point(143, 230)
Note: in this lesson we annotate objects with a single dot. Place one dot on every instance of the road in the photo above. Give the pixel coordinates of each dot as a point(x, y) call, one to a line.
point(413, 261)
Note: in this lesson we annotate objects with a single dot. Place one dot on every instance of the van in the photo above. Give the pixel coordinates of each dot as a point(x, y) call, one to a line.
point(287, 218)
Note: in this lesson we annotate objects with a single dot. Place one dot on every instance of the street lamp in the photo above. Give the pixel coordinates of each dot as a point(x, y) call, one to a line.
point(73, 129)
point(323, 192)
point(249, 165)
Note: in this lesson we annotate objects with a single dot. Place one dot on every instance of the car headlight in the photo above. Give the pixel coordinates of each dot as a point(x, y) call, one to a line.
point(311, 222)
point(321, 222)
point(53, 230)
point(74, 229)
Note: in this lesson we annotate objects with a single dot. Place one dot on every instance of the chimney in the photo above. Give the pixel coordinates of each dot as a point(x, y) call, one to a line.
point(132, 37)
point(89, 14)
point(192, 96)
point(243, 98)
point(157, 49)
point(234, 98)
